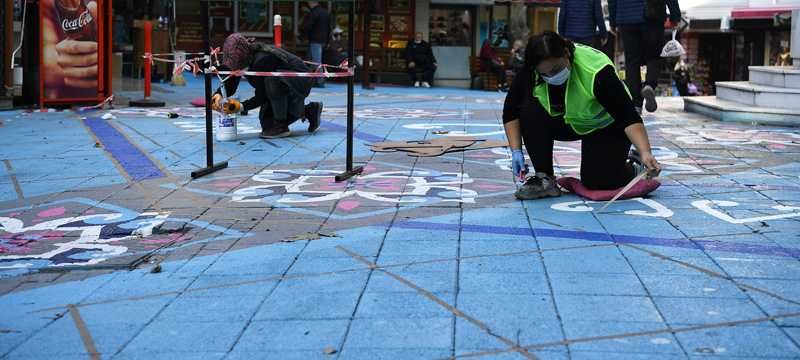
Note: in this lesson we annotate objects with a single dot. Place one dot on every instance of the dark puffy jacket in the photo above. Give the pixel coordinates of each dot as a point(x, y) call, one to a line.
point(421, 53)
point(632, 12)
point(580, 19)
point(318, 26)
point(269, 58)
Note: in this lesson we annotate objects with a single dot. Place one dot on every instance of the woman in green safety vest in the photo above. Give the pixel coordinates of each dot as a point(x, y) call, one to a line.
point(571, 92)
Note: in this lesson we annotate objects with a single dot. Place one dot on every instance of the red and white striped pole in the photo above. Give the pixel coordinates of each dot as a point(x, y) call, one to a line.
point(148, 59)
point(276, 28)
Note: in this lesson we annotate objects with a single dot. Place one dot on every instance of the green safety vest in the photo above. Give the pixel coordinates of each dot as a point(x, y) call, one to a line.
point(582, 111)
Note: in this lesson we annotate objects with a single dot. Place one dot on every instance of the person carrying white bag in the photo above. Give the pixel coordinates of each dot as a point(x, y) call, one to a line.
point(640, 24)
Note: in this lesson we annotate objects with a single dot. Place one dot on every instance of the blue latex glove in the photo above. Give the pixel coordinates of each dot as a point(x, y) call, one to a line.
point(518, 166)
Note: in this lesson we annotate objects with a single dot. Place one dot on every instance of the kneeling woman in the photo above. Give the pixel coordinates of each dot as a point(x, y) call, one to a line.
point(571, 92)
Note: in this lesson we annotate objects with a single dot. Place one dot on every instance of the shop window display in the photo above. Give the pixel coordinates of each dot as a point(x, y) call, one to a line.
point(450, 26)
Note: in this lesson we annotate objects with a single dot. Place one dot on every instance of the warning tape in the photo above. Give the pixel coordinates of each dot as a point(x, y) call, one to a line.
point(192, 66)
point(324, 74)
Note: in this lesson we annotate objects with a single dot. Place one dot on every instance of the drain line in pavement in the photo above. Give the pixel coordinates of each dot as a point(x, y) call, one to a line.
point(88, 343)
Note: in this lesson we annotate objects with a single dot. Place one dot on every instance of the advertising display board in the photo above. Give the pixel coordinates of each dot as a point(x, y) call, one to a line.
point(75, 44)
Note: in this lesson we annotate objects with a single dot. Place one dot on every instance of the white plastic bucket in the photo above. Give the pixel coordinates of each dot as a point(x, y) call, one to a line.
point(226, 127)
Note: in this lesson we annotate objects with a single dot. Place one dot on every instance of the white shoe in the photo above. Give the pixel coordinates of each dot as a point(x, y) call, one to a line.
point(425, 84)
point(416, 84)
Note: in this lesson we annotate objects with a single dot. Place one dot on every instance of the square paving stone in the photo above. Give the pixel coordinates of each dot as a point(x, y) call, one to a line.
point(293, 335)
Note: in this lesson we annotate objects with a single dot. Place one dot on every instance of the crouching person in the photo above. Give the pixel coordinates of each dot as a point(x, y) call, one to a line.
point(571, 92)
point(281, 99)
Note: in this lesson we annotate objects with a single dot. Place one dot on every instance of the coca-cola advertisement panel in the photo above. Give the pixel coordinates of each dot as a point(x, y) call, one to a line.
point(74, 50)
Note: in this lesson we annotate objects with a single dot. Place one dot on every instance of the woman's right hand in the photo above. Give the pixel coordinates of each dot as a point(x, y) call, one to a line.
point(652, 165)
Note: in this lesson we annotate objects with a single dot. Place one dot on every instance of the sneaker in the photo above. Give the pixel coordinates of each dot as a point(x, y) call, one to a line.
point(425, 84)
point(649, 96)
point(313, 113)
point(416, 84)
point(538, 186)
point(276, 132)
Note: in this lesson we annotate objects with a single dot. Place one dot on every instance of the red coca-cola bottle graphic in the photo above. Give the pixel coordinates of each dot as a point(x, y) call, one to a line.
point(76, 21)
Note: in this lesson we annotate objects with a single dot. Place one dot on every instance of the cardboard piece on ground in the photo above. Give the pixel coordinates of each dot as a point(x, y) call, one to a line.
point(436, 147)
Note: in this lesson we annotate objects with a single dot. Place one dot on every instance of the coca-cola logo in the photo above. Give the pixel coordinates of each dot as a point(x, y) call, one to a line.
point(75, 24)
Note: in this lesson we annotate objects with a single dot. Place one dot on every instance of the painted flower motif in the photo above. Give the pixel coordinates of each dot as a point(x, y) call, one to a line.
point(399, 187)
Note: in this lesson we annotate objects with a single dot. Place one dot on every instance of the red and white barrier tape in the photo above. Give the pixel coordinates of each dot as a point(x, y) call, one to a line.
point(98, 106)
point(193, 66)
point(324, 74)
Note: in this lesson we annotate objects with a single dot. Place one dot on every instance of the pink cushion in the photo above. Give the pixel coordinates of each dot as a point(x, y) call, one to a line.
point(199, 102)
point(574, 185)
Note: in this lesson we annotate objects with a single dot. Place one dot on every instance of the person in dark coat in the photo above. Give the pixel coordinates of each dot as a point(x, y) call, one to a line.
point(491, 62)
point(582, 21)
point(318, 32)
point(281, 98)
point(421, 63)
point(336, 52)
point(682, 77)
point(641, 25)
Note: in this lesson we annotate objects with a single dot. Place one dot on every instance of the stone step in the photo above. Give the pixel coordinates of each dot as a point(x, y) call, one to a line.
point(725, 110)
point(758, 95)
point(777, 76)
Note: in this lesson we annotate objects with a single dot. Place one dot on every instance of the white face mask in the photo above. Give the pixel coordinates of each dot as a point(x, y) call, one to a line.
point(558, 79)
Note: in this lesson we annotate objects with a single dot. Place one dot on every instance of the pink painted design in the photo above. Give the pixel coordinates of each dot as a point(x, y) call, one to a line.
point(226, 184)
point(491, 187)
point(348, 205)
point(481, 155)
point(57, 211)
point(89, 212)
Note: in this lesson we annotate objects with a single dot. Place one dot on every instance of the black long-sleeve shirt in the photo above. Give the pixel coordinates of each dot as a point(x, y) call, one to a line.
point(608, 89)
point(271, 59)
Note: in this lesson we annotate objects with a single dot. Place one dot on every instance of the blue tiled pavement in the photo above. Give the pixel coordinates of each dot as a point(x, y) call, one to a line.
point(418, 258)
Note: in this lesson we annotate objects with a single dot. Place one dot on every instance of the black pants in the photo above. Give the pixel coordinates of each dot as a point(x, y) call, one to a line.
point(604, 152)
point(683, 88)
point(498, 70)
point(421, 72)
point(282, 106)
point(643, 44)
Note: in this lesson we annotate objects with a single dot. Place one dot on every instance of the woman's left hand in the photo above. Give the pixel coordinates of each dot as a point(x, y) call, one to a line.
point(653, 167)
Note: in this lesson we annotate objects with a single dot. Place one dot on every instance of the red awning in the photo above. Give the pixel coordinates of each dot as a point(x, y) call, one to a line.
point(758, 13)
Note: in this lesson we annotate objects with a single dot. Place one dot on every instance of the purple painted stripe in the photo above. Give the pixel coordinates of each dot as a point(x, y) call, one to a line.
point(130, 158)
point(356, 134)
point(742, 248)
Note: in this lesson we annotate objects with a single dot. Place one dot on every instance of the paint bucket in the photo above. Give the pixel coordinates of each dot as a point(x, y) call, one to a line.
point(226, 127)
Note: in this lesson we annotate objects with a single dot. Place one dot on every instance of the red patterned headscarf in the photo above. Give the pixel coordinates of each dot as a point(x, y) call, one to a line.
point(238, 51)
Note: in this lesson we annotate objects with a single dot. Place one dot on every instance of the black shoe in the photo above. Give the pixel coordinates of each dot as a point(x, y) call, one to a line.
point(538, 186)
point(313, 113)
point(649, 96)
point(279, 131)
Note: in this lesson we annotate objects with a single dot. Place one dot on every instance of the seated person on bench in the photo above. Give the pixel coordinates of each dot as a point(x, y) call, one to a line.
point(281, 98)
point(421, 62)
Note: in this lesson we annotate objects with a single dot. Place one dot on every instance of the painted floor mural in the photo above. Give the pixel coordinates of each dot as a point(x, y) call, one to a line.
point(109, 250)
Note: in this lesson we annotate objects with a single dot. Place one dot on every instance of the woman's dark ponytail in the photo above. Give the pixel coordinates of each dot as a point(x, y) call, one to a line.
point(545, 46)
